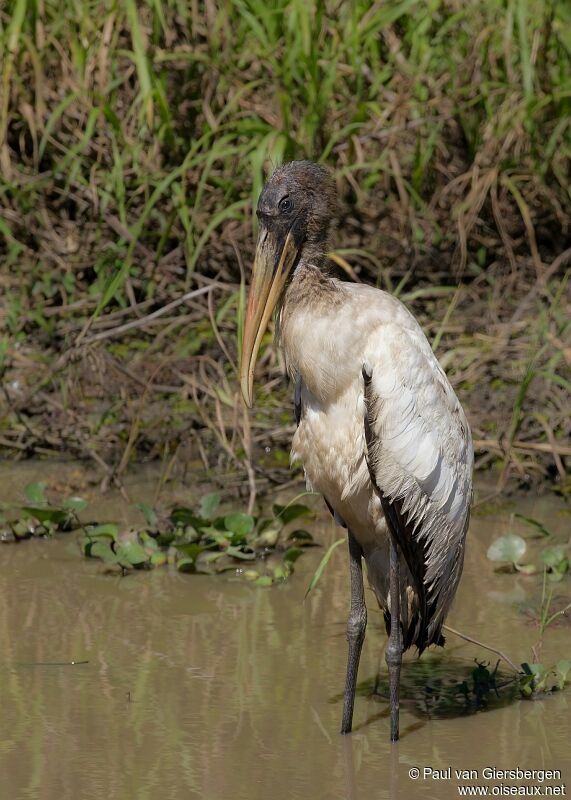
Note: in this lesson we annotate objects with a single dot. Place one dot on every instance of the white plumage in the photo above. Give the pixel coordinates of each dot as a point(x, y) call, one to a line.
point(421, 448)
point(380, 434)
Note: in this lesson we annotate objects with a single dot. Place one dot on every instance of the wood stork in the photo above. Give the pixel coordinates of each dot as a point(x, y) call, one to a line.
point(381, 434)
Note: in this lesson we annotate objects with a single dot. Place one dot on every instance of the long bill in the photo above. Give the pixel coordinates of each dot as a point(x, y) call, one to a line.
point(269, 276)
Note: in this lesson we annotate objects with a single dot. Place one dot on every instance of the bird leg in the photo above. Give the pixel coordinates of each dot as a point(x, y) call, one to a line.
point(355, 630)
point(393, 654)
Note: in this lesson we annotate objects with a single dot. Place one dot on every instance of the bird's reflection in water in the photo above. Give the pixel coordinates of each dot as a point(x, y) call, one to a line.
point(349, 745)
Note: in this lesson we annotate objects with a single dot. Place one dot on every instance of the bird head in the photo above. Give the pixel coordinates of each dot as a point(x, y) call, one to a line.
point(295, 211)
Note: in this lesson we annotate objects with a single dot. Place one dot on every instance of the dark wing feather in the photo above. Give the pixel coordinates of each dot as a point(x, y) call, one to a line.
point(412, 550)
point(420, 461)
point(297, 398)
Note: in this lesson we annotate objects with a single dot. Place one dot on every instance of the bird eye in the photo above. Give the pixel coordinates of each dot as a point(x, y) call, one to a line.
point(285, 204)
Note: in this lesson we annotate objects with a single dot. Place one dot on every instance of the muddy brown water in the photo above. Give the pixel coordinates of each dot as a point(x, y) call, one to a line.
point(201, 687)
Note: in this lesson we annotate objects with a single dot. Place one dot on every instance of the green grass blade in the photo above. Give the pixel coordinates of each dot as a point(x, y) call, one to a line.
point(322, 564)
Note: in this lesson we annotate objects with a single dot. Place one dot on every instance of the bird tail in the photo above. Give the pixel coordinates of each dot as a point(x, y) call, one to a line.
point(416, 633)
point(421, 624)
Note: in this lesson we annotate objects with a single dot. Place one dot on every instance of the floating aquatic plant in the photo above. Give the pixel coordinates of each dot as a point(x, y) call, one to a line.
point(202, 540)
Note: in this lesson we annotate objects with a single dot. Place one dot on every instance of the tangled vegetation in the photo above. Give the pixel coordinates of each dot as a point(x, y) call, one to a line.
point(134, 139)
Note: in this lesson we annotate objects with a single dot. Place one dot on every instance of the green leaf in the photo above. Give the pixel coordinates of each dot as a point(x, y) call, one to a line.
point(510, 547)
point(35, 493)
point(75, 503)
point(292, 554)
point(239, 523)
point(268, 537)
point(540, 676)
point(563, 668)
point(46, 514)
point(149, 542)
point(264, 580)
point(158, 559)
point(165, 539)
point(211, 557)
point(322, 564)
point(537, 670)
point(534, 523)
point(289, 513)
point(149, 513)
point(209, 504)
point(220, 539)
point(554, 556)
point(106, 531)
point(103, 551)
point(23, 528)
point(144, 74)
point(526, 569)
point(282, 572)
point(300, 535)
point(184, 516)
point(132, 553)
point(191, 550)
point(186, 565)
point(243, 555)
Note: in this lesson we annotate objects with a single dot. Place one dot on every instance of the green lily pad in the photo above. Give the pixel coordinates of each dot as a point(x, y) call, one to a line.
point(107, 531)
point(75, 503)
point(191, 550)
point(45, 514)
point(563, 668)
point(292, 554)
point(209, 504)
point(149, 513)
point(555, 556)
point(34, 493)
point(102, 550)
point(239, 523)
point(131, 554)
point(510, 547)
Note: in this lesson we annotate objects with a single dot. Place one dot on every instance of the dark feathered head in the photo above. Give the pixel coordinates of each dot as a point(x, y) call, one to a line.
point(295, 210)
point(300, 197)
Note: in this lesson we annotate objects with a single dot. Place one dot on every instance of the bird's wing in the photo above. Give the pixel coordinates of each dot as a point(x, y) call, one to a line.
point(420, 457)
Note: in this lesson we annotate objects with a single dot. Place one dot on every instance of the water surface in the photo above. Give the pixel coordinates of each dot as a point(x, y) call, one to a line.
point(201, 687)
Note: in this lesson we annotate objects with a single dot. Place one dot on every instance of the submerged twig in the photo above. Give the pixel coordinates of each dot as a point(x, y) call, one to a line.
point(485, 646)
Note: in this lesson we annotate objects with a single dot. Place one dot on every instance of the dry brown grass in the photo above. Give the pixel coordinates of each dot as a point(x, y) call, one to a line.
point(133, 142)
